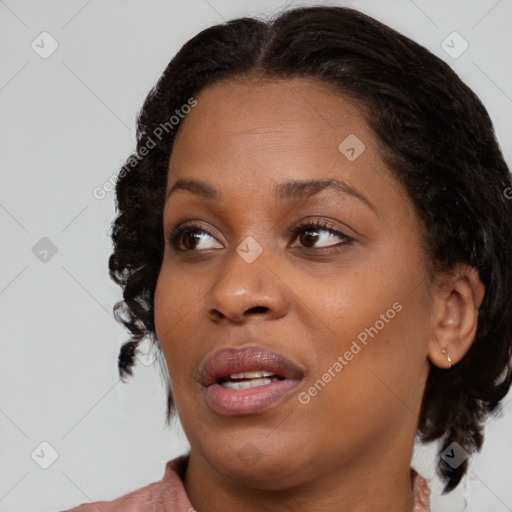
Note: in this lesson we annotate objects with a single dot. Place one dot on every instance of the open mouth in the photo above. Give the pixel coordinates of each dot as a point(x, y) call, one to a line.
point(246, 380)
point(249, 380)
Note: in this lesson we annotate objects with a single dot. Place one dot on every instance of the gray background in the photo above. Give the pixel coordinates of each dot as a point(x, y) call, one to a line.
point(66, 125)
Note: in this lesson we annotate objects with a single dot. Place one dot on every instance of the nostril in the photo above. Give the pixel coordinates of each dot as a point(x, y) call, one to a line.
point(257, 309)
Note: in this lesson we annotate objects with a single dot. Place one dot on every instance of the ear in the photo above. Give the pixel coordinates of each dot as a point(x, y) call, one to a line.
point(458, 295)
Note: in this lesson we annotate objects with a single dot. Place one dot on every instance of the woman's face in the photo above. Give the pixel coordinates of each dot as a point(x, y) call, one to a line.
point(345, 302)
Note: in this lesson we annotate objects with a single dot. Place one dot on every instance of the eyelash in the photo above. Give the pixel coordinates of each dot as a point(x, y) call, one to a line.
point(173, 237)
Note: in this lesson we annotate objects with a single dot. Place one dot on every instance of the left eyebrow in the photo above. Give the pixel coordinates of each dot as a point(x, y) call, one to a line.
point(307, 188)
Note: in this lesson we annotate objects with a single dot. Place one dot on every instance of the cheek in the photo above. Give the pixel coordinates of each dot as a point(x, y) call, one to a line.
point(177, 306)
point(366, 389)
point(378, 319)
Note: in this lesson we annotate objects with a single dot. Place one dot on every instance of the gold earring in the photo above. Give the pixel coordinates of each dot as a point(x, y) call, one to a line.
point(445, 352)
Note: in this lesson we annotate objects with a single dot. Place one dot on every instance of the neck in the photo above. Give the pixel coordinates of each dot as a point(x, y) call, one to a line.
point(360, 487)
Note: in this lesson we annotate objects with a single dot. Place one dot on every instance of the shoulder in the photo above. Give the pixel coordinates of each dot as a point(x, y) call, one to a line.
point(167, 491)
point(421, 492)
point(139, 500)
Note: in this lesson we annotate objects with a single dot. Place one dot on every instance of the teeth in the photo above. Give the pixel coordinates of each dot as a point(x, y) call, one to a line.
point(250, 375)
point(246, 380)
point(246, 384)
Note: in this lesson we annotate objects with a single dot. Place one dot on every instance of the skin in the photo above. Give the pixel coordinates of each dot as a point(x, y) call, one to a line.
point(350, 446)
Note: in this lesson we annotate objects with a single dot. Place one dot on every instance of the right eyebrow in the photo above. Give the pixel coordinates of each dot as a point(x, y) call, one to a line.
point(197, 187)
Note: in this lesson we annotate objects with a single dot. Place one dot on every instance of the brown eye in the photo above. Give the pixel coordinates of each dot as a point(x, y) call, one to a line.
point(187, 237)
point(308, 236)
point(311, 233)
point(190, 238)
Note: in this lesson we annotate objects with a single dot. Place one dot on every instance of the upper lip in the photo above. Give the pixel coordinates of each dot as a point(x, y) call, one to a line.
point(224, 362)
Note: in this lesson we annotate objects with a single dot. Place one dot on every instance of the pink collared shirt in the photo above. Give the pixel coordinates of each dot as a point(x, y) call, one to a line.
point(169, 495)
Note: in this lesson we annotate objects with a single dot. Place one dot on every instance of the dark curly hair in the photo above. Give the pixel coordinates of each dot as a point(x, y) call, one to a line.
point(436, 137)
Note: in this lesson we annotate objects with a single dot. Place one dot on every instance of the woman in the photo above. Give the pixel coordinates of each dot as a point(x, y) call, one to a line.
point(314, 231)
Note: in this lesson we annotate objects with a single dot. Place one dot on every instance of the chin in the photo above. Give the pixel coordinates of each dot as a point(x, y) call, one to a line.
point(255, 460)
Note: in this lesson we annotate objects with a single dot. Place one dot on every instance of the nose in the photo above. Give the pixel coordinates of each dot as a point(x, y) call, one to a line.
point(245, 292)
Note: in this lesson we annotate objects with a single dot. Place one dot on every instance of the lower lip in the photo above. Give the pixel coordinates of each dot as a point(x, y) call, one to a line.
point(238, 402)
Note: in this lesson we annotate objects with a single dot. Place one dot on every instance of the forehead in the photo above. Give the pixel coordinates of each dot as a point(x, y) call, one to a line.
point(257, 128)
point(297, 108)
